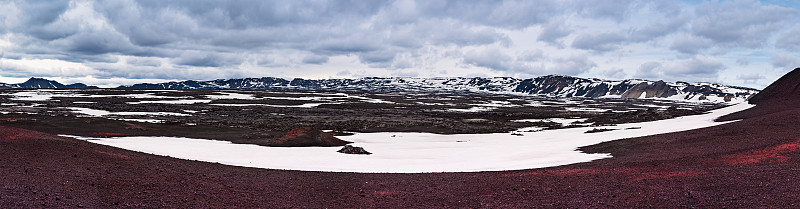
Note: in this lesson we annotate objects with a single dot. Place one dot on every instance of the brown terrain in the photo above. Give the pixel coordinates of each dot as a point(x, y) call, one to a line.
point(750, 163)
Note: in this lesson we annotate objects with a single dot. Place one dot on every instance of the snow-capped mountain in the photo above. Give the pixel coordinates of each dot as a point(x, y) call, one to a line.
point(41, 83)
point(549, 86)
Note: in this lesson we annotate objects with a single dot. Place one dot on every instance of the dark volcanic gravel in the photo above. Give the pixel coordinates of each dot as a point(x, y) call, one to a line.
point(750, 163)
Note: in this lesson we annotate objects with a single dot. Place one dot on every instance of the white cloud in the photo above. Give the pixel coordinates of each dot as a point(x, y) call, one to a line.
point(491, 58)
point(689, 44)
point(694, 69)
point(750, 78)
point(599, 42)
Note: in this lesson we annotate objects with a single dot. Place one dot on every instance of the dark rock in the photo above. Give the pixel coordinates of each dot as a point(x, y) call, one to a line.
point(598, 130)
point(349, 149)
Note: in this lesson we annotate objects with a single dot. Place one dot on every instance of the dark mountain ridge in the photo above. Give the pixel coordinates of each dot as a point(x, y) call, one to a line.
point(548, 86)
point(41, 83)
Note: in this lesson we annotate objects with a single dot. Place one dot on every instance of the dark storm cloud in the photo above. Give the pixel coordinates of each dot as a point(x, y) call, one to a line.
point(195, 33)
point(215, 39)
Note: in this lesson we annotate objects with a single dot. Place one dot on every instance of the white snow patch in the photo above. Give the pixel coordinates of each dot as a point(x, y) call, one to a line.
point(585, 109)
point(306, 105)
point(230, 95)
point(183, 101)
point(101, 113)
point(418, 152)
point(473, 109)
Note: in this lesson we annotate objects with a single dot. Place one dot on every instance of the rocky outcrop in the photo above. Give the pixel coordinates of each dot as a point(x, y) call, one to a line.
point(658, 89)
point(307, 137)
point(349, 149)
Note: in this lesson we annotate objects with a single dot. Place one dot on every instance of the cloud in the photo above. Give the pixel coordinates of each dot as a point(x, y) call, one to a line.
point(790, 40)
point(689, 44)
point(491, 58)
point(315, 59)
point(694, 69)
point(378, 57)
point(553, 32)
point(750, 77)
point(743, 23)
point(697, 68)
point(185, 39)
point(43, 68)
point(572, 65)
point(742, 61)
point(615, 74)
point(616, 10)
point(785, 61)
point(657, 29)
point(649, 70)
point(200, 59)
point(344, 73)
point(599, 42)
point(531, 55)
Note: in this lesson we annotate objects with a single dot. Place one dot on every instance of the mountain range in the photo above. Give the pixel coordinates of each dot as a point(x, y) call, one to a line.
point(41, 83)
point(548, 86)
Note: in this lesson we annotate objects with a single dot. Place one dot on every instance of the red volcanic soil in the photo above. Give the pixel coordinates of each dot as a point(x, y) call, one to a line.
point(754, 162)
point(307, 137)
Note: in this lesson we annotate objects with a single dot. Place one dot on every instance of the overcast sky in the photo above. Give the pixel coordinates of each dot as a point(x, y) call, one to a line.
point(108, 43)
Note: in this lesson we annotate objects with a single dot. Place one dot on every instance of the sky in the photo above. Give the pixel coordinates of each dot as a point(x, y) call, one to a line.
point(109, 43)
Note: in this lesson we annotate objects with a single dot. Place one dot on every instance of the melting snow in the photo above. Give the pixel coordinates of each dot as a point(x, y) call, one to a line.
point(183, 101)
point(101, 113)
point(473, 109)
point(418, 152)
point(229, 95)
point(306, 105)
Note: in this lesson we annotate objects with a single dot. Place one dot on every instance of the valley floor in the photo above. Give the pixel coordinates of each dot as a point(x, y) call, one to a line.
point(749, 163)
